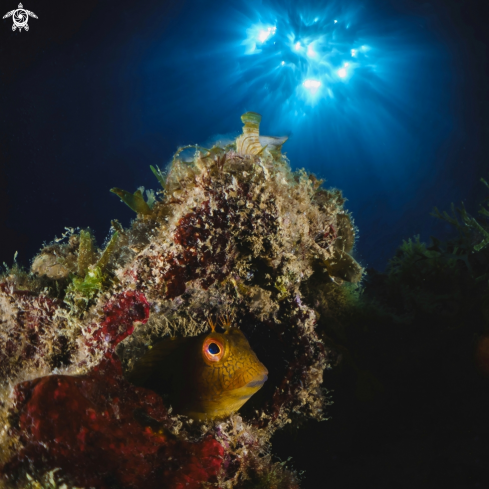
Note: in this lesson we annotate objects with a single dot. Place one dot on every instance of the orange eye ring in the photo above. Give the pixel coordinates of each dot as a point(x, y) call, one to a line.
point(213, 349)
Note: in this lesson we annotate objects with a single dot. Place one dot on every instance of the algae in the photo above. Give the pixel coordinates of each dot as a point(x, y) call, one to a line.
point(136, 200)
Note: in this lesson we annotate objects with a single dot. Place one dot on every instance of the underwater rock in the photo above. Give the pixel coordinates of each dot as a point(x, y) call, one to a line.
point(119, 315)
point(48, 265)
point(100, 430)
point(344, 266)
point(29, 344)
point(57, 260)
point(235, 233)
point(346, 233)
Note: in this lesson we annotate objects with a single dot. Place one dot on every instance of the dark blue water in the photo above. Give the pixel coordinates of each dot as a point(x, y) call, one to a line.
point(386, 100)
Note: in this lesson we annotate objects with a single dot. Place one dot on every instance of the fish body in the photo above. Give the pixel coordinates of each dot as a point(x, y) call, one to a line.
point(204, 376)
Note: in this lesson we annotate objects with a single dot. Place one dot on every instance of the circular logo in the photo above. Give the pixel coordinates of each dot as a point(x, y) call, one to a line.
point(20, 19)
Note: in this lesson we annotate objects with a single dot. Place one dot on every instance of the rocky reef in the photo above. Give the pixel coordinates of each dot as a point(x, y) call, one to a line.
point(233, 232)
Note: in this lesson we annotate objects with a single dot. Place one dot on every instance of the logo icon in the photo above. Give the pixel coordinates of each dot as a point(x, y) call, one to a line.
point(20, 16)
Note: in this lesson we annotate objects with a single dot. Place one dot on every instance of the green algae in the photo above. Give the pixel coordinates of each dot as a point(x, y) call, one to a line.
point(109, 250)
point(468, 226)
point(88, 286)
point(443, 277)
point(86, 252)
point(135, 201)
point(160, 176)
point(84, 288)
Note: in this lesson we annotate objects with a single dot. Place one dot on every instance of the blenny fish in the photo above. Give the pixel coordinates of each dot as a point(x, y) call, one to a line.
point(206, 376)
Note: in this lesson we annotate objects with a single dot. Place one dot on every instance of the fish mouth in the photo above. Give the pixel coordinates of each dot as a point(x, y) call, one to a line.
point(258, 382)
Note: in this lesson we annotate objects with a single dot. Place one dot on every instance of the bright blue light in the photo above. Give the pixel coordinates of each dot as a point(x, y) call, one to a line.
point(312, 84)
point(312, 87)
point(257, 37)
point(310, 51)
point(264, 34)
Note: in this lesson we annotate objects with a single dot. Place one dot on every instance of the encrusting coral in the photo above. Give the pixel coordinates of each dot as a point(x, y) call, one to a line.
point(235, 232)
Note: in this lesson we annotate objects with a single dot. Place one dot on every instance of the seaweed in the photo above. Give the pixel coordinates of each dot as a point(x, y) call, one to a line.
point(469, 228)
point(136, 200)
point(160, 176)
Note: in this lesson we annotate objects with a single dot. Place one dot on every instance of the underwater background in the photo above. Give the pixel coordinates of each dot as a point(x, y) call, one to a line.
point(385, 100)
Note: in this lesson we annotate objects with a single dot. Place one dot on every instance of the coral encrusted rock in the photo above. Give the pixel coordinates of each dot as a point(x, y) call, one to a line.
point(234, 232)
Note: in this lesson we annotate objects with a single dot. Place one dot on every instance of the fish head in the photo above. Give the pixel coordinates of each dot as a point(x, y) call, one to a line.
point(227, 375)
point(205, 376)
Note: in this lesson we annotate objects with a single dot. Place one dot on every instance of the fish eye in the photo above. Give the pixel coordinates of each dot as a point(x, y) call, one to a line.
point(213, 349)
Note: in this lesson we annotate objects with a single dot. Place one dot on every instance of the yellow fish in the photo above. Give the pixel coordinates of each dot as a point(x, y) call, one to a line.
point(205, 376)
